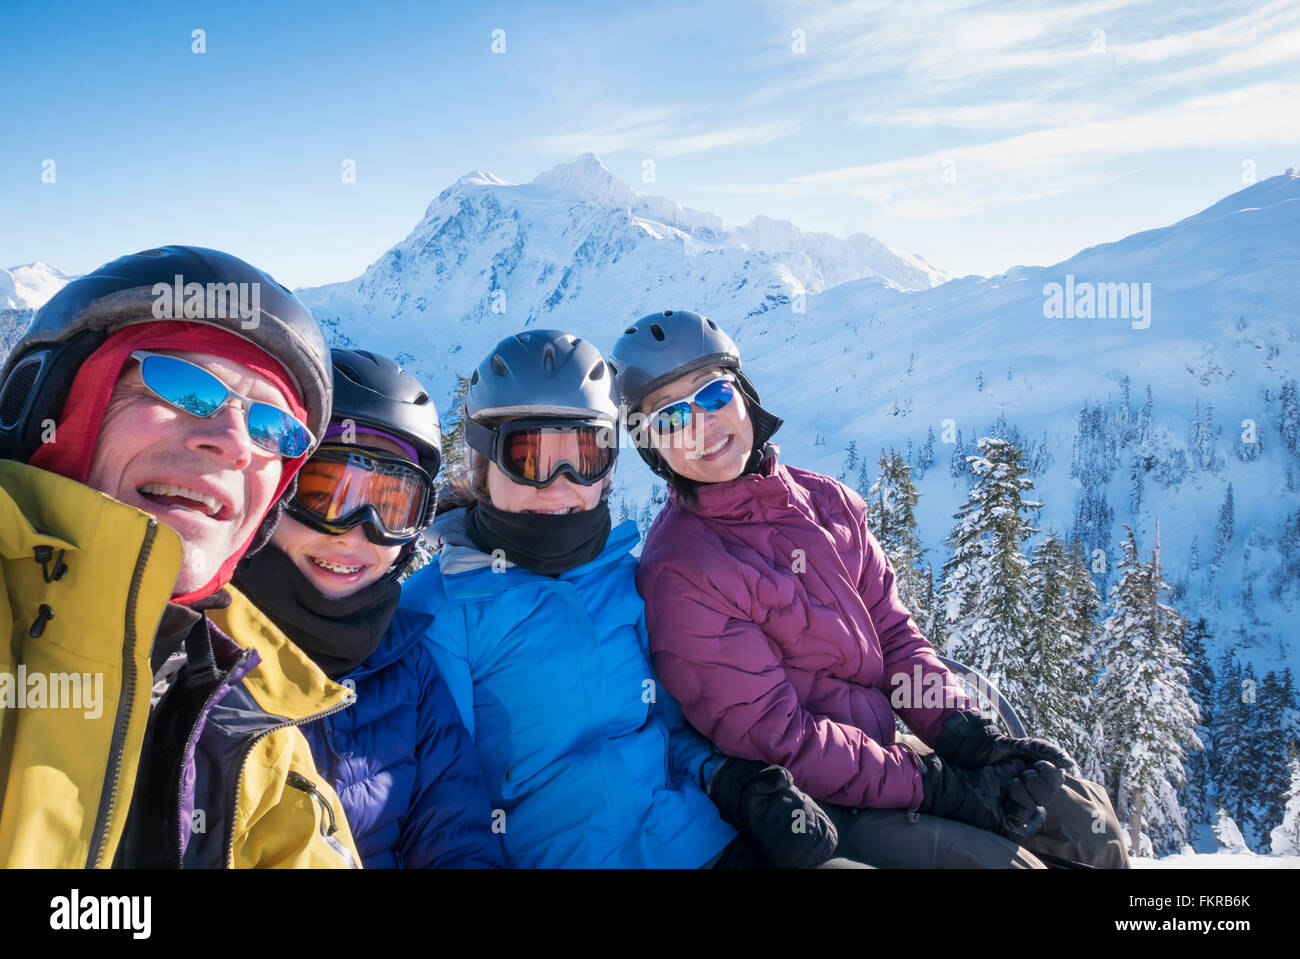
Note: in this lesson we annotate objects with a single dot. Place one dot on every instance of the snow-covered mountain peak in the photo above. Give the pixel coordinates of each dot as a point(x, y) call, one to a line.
point(589, 179)
point(479, 178)
point(30, 286)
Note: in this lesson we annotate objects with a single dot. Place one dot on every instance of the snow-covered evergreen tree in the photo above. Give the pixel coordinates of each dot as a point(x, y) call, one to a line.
point(1284, 840)
point(1230, 758)
point(1228, 835)
point(1224, 528)
point(891, 517)
point(1147, 711)
point(1085, 621)
point(1197, 792)
point(1273, 744)
point(958, 465)
point(1059, 672)
point(925, 458)
point(453, 436)
point(987, 614)
point(850, 460)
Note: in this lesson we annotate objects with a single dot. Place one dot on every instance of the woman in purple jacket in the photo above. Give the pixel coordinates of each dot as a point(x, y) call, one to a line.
point(775, 622)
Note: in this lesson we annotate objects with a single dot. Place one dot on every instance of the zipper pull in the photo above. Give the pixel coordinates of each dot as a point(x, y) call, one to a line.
point(43, 556)
point(43, 615)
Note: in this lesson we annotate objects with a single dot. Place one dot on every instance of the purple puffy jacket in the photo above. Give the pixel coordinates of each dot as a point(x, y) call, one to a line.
point(775, 622)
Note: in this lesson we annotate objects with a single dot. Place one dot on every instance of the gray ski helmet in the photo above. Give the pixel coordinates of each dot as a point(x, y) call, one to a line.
point(38, 373)
point(375, 391)
point(542, 373)
point(661, 347)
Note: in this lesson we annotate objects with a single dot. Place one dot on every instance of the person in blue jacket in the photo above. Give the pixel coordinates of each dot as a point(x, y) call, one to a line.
point(399, 758)
point(531, 611)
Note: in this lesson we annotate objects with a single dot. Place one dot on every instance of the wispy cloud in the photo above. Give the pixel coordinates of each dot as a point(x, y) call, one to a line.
point(1051, 161)
point(658, 133)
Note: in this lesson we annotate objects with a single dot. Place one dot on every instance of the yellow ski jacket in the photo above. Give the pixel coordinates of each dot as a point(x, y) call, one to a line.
point(84, 580)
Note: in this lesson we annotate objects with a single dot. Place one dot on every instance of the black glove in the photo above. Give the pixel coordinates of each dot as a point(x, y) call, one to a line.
point(969, 740)
point(791, 828)
point(1008, 798)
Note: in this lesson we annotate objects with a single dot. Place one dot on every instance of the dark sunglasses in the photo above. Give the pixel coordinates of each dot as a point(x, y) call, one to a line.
point(192, 389)
point(711, 397)
point(341, 487)
point(535, 452)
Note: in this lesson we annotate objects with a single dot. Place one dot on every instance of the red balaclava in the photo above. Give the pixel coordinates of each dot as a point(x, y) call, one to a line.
point(77, 431)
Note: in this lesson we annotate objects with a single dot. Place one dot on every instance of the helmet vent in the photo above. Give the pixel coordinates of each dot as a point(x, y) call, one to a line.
point(657, 332)
point(548, 358)
point(473, 378)
point(597, 371)
point(499, 365)
point(13, 400)
point(668, 312)
point(421, 398)
point(629, 331)
point(712, 325)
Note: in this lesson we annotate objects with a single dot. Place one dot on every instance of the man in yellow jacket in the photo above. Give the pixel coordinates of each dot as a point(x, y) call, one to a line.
point(152, 419)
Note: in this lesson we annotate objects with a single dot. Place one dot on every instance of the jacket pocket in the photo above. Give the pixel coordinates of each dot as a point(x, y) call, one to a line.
point(328, 822)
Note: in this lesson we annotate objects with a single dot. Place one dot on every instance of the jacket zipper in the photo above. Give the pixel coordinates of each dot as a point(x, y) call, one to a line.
point(180, 784)
point(108, 797)
point(239, 778)
point(299, 781)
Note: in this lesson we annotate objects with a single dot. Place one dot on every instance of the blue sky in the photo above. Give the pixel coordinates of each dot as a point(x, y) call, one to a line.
point(980, 135)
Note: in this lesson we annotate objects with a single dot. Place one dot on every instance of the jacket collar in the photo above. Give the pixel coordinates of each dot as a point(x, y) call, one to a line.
point(293, 686)
point(747, 498)
point(467, 571)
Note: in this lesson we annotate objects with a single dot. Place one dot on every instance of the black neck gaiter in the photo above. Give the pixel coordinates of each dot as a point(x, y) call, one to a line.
point(544, 543)
point(338, 634)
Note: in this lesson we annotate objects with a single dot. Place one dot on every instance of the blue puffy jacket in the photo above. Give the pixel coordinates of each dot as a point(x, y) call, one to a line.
point(588, 761)
point(404, 767)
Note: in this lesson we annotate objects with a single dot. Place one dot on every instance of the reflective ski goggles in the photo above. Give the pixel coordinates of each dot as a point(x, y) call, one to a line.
point(536, 451)
point(341, 487)
point(711, 397)
point(192, 389)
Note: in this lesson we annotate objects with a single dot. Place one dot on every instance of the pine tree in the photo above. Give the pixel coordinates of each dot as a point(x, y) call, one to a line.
point(1230, 738)
point(1223, 529)
point(986, 596)
point(1144, 420)
point(1147, 712)
point(979, 381)
point(453, 438)
point(864, 479)
point(926, 457)
point(1197, 792)
point(1059, 705)
point(1285, 838)
point(1085, 622)
point(1270, 741)
point(1125, 416)
point(1289, 418)
point(891, 517)
point(850, 460)
point(958, 466)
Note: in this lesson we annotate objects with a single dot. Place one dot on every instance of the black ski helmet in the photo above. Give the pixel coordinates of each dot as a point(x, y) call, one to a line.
point(542, 373)
point(37, 375)
point(661, 347)
point(375, 391)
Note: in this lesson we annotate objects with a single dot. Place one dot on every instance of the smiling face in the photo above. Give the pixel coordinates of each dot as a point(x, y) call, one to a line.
point(203, 477)
point(338, 566)
point(713, 447)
